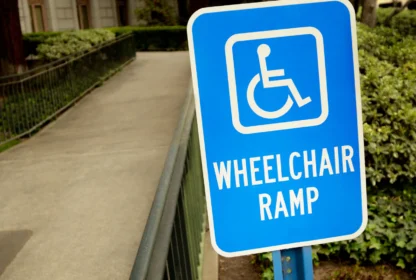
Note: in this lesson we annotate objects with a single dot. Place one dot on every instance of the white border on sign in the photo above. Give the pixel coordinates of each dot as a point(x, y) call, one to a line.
point(201, 132)
point(240, 37)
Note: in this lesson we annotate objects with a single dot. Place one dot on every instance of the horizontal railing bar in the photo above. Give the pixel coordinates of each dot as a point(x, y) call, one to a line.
point(61, 62)
point(161, 248)
point(159, 223)
point(61, 110)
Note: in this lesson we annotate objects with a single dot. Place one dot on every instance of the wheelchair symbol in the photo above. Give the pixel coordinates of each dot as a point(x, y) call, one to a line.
point(258, 120)
point(263, 51)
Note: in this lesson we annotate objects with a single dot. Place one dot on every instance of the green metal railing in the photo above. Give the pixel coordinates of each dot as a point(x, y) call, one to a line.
point(172, 243)
point(31, 99)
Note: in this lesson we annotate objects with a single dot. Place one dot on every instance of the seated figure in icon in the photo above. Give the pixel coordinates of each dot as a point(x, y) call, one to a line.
point(263, 52)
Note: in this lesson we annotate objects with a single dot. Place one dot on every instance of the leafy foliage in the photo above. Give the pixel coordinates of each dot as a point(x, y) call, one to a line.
point(386, 44)
point(69, 43)
point(404, 23)
point(389, 236)
point(265, 262)
point(156, 38)
point(155, 12)
point(388, 84)
point(147, 38)
point(32, 40)
point(354, 272)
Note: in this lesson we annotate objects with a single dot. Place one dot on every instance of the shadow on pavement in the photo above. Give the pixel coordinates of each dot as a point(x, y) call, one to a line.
point(11, 242)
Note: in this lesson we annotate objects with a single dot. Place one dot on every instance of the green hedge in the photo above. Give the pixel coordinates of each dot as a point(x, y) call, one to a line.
point(389, 236)
point(404, 23)
point(92, 37)
point(157, 38)
point(69, 43)
point(154, 38)
point(31, 41)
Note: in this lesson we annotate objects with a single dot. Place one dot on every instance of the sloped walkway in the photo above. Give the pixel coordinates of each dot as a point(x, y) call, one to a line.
point(74, 199)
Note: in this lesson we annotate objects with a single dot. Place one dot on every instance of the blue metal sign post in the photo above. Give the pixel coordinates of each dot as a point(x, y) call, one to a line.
point(293, 264)
point(278, 106)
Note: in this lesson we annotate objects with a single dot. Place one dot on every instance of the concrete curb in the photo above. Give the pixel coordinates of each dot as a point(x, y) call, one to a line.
point(210, 259)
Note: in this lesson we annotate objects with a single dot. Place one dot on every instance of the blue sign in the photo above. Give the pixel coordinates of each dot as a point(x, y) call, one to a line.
point(278, 106)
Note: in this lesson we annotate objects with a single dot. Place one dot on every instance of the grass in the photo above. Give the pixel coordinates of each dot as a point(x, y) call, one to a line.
point(8, 145)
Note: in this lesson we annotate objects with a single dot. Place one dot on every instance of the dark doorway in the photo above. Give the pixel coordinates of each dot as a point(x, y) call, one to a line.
point(37, 15)
point(122, 12)
point(84, 14)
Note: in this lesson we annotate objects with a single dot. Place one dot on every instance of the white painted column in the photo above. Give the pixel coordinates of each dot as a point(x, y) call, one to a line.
point(51, 15)
point(75, 14)
point(115, 12)
point(131, 7)
point(95, 13)
point(25, 19)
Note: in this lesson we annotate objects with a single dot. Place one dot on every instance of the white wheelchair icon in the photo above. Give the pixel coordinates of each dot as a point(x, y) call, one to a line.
point(263, 51)
point(271, 119)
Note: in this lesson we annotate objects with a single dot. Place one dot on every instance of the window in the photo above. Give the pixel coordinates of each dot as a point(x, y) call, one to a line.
point(83, 8)
point(122, 12)
point(37, 14)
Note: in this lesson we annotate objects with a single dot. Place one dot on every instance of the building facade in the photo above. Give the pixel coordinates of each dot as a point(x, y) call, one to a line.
point(62, 15)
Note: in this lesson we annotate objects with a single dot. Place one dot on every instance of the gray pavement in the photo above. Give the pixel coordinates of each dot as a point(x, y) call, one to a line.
point(75, 198)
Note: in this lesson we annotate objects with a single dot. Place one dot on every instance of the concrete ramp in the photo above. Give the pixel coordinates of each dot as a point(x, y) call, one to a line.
point(75, 198)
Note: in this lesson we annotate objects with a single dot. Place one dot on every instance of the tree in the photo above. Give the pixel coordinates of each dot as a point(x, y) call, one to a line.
point(355, 4)
point(156, 12)
point(369, 14)
point(195, 5)
point(12, 59)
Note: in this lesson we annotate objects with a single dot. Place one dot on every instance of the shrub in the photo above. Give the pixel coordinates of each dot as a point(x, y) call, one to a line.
point(404, 23)
point(69, 43)
point(389, 117)
point(387, 44)
point(388, 84)
point(389, 236)
point(156, 38)
point(32, 40)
